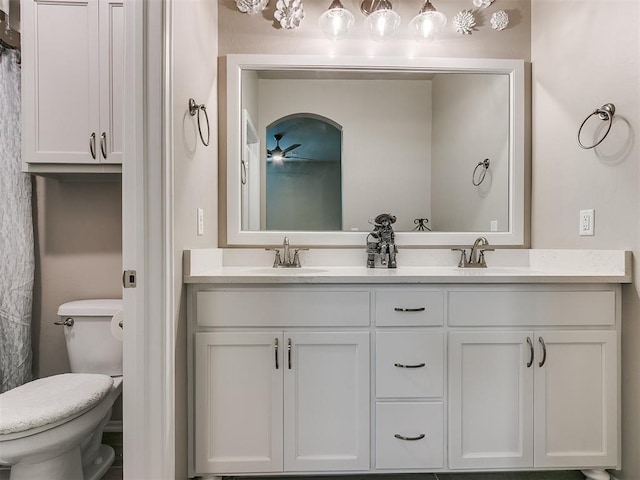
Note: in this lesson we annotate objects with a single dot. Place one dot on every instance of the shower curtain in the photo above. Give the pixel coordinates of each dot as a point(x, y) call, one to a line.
point(16, 235)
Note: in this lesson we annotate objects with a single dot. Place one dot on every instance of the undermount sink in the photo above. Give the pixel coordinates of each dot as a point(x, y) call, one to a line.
point(286, 271)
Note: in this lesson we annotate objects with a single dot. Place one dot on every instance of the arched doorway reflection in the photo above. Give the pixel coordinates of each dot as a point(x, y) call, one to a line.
point(303, 174)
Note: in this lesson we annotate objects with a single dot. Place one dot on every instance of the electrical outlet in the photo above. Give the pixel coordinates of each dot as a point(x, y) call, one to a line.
point(587, 218)
point(200, 221)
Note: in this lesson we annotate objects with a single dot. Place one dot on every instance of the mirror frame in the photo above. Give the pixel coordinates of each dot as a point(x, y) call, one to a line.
point(235, 64)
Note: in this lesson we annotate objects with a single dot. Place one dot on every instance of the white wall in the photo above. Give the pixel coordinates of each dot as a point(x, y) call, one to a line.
point(386, 154)
point(578, 65)
point(463, 105)
point(193, 73)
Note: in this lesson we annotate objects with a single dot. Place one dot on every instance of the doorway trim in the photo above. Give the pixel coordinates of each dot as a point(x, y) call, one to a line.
point(149, 370)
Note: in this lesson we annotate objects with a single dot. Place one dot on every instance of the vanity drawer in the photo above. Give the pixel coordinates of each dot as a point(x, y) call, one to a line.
point(532, 307)
point(412, 421)
point(409, 308)
point(282, 308)
point(409, 364)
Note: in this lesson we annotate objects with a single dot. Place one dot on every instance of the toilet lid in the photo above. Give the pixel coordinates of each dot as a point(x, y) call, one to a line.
point(51, 399)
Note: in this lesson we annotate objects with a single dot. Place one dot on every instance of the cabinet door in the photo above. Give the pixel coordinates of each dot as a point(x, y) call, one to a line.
point(60, 81)
point(238, 402)
point(576, 400)
point(111, 80)
point(490, 400)
point(326, 401)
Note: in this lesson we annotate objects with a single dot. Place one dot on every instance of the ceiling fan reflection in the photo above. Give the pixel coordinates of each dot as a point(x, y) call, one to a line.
point(278, 154)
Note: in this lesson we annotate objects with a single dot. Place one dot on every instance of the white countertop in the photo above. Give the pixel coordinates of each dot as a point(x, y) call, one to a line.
point(530, 266)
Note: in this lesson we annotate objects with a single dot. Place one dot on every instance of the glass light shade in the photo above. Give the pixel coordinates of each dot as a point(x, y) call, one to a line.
point(428, 25)
point(382, 23)
point(335, 23)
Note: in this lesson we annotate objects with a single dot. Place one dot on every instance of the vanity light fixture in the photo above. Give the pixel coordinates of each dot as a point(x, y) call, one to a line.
point(381, 20)
point(336, 22)
point(428, 23)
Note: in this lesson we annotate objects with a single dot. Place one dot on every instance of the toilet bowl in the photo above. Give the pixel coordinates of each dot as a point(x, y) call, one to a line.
point(51, 428)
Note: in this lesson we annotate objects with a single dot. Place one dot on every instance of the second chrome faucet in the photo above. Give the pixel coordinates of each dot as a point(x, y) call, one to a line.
point(476, 255)
point(283, 258)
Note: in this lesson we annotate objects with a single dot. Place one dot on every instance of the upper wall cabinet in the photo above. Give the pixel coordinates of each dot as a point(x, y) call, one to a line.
point(72, 85)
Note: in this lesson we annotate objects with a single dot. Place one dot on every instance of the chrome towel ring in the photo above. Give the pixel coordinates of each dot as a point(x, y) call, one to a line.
point(485, 166)
point(195, 108)
point(605, 113)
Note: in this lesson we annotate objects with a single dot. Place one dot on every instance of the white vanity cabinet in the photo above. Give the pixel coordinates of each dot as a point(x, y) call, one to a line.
point(331, 378)
point(541, 398)
point(73, 77)
point(291, 400)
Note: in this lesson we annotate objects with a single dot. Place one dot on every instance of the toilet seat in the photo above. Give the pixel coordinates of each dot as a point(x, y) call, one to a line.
point(47, 402)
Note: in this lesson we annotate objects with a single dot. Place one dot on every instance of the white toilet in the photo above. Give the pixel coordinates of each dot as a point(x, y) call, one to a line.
point(51, 428)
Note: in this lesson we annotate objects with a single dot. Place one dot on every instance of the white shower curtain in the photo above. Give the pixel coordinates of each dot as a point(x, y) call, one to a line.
point(16, 235)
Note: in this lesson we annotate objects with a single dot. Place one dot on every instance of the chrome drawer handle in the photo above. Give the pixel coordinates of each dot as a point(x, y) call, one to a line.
point(410, 439)
point(276, 353)
point(419, 309)
point(400, 365)
point(289, 353)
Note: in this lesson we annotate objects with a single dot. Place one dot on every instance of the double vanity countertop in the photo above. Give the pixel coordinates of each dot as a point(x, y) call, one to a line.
point(246, 266)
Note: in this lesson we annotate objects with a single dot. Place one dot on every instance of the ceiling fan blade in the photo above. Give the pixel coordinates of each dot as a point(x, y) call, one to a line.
point(291, 147)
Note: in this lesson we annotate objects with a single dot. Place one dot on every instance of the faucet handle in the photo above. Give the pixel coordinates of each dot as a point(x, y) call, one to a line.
point(463, 256)
point(277, 261)
point(296, 256)
point(481, 260)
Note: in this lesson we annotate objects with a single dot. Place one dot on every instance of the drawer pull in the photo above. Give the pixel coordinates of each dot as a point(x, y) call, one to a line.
point(400, 365)
point(276, 353)
point(410, 439)
point(531, 350)
point(289, 353)
point(419, 309)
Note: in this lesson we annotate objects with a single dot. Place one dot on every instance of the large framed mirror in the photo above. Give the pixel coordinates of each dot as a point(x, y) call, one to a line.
point(316, 147)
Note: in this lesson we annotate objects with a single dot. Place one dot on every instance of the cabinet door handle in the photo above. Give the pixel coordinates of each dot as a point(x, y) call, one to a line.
point(103, 144)
point(419, 309)
point(544, 352)
point(275, 348)
point(418, 365)
point(410, 439)
point(92, 145)
point(289, 353)
point(531, 351)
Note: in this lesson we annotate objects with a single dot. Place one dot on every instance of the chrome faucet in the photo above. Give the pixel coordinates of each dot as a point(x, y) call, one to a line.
point(476, 255)
point(285, 260)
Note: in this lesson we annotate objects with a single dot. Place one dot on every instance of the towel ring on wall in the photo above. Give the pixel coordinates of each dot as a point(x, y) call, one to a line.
point(485, 166)
point(195, 108)
point(605, 113)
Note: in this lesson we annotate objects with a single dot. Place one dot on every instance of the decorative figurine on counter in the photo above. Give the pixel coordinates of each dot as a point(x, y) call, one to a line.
point(382, 242)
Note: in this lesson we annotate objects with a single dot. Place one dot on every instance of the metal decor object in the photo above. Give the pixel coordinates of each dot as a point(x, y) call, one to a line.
point(605, 113)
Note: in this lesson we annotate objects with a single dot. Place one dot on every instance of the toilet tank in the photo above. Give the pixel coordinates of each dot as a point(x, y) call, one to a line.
point(91, 345)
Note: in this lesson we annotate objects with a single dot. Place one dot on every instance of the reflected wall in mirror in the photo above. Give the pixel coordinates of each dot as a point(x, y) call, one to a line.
point(409, 139)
